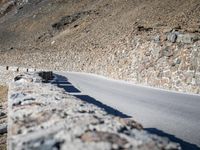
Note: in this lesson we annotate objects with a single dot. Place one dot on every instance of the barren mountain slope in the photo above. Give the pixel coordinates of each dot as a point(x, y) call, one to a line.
point(108, 37)
point(105, 22)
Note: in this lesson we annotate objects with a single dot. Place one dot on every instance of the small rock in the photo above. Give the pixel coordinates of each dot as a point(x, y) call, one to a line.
point(3, 128)
point(157, 39)
point(172, 146)
point(167, 51)
point(176, 62)
point(2, 114)
point(103, 137)
point(130, 123)
point(188, 38)
point(142, 28)
point(172, 37)
point(34, 16)
point(52, 42)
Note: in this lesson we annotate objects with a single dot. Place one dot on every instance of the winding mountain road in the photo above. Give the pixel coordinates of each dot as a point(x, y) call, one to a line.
point(174, 114)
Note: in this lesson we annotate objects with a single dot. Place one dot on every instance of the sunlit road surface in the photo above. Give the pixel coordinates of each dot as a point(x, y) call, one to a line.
point(173, 113)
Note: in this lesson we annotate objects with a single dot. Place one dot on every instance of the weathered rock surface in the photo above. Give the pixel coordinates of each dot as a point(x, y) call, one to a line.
point(43, 116)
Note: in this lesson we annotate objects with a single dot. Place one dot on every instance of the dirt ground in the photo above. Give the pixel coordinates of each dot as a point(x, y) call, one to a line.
point(3, 94)
point(3, 99)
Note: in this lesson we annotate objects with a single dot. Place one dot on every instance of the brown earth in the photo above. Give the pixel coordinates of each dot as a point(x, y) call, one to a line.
point(3, 1)
point(3, 94)
point(3, 99)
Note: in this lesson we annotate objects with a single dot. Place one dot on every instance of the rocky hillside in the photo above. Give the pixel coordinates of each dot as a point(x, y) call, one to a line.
point(150, 42)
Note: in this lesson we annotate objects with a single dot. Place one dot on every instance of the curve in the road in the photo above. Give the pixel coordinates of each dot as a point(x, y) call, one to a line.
point(172, 114)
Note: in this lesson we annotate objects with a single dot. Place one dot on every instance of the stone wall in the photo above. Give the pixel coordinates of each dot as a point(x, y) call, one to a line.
point(162, 58)
point(169, 60)
point(43, 116)
point(7, 73)
point(156, 57)
point(165, 59)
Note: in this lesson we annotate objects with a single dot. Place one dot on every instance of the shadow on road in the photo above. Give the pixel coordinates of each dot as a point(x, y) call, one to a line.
point(184, 145)
point(108, 109)
point(63, 82)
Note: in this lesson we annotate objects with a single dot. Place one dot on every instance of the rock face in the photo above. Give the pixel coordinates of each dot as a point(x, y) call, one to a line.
point(65, 21)
point(172, 63)
point(43, 116)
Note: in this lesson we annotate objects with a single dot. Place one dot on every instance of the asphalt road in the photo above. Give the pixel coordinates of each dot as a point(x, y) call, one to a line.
point(170, 114)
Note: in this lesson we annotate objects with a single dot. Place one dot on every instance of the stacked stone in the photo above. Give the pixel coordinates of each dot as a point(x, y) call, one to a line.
point(43, 116)
point(7, 73)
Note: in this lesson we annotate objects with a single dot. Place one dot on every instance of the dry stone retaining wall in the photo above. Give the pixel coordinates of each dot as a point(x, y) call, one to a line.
point(162, 58)
point(7, 73)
